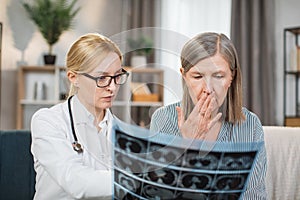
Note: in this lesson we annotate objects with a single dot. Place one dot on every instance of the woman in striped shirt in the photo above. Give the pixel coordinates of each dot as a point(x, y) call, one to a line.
point(211, 107)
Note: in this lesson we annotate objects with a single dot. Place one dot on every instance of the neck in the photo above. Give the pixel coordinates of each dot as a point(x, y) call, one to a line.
point(99, 116)
point(98, 113)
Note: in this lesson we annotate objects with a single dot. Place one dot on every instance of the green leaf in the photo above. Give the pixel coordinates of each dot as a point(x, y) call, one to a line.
point(142, 46)
point(52, 17)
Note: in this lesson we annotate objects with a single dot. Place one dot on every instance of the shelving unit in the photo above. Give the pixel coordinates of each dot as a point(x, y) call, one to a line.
point(28, 77)
point(139, 112)
point(291, 76)
point(53, 77)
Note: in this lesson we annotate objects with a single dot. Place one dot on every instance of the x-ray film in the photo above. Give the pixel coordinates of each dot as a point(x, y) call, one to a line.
point(150, 165)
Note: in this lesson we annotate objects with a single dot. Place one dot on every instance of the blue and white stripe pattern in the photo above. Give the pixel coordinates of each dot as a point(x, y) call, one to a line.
point(165, 120)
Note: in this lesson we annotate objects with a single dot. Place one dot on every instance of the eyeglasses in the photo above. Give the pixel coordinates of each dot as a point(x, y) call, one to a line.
point(104, 81)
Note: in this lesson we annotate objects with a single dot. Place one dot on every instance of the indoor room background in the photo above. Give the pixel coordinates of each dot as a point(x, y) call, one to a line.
point(176, 20)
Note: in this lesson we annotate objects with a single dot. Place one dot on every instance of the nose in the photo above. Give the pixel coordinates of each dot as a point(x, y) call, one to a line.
point(112, 86)
point(207, 88)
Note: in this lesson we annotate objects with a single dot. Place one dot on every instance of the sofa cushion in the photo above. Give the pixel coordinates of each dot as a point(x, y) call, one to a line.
point(17, 175)
point(283, 171)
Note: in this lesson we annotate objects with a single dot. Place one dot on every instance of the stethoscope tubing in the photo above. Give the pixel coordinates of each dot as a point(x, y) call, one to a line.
point(76, 146)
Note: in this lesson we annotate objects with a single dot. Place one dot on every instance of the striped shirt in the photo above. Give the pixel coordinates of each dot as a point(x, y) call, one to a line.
point(165, 120)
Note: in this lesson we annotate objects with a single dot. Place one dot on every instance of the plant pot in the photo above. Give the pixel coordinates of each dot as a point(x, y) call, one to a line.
point(138, 61)
point(49, 59)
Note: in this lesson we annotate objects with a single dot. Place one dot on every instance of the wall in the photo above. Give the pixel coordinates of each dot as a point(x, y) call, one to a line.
point(23, 44)
point(287, 15)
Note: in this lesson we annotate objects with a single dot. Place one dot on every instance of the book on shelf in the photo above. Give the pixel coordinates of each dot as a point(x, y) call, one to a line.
point(141, 92)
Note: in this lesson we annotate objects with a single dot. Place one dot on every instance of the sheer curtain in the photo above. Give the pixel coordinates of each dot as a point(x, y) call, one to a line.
point(180, 20)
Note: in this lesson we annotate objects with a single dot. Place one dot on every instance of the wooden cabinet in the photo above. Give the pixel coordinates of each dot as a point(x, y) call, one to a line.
point(291, 76)
point(45, 86)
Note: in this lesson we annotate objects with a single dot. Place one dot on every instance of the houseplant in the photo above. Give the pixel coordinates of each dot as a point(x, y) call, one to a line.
point(52, 18)
point(141, 48)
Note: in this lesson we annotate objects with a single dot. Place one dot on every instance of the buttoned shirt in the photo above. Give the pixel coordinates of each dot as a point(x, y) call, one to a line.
point(165, 120)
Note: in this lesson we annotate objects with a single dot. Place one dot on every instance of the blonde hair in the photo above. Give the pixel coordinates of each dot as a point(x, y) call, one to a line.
point(87, 52)
point(206, 45)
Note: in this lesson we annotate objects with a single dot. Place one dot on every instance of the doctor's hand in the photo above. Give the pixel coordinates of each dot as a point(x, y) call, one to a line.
point(201, 119)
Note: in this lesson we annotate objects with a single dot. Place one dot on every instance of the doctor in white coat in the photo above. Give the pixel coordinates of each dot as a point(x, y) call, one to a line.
point(71, 141)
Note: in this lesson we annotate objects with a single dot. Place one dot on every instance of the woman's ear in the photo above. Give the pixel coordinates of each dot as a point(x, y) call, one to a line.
point(73, 78)
point(182, 71)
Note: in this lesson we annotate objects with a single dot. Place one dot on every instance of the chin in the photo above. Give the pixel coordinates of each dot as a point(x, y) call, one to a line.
point(105, 105)
point(108, 105)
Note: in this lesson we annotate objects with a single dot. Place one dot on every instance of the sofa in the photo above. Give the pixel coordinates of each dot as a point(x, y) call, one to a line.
point(17, 175)
point(283, 154)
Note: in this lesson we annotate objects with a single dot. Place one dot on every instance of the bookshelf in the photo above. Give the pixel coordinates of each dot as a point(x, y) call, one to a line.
point(291, 76)
point(128, 107)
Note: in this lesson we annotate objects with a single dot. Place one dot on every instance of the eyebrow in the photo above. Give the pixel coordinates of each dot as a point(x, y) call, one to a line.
point(219, 71)
point(201, 73)
point(106, 73)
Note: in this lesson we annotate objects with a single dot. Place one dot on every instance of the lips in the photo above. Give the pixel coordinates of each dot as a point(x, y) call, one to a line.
point(108, 98)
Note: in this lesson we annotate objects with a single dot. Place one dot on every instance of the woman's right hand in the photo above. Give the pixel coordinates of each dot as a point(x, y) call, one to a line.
point(201, 119)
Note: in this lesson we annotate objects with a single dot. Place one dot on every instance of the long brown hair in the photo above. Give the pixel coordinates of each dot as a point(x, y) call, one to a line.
point(206, 45)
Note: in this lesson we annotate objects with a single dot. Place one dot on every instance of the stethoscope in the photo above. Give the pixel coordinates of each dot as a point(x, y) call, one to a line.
point(76, 146)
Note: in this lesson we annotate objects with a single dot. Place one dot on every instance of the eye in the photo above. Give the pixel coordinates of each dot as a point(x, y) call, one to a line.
point(219, 76)
point(102, 78)
point(118, 75)
point(199, 76)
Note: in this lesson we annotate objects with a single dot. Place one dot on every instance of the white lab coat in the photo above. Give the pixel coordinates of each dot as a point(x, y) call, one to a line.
point(62, 173)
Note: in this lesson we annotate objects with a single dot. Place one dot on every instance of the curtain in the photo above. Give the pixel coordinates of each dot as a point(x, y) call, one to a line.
point(139, 17)
point(253, 33)
point(139, 14)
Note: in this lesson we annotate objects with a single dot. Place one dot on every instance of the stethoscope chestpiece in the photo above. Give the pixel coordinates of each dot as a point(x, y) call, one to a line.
point(77, 147)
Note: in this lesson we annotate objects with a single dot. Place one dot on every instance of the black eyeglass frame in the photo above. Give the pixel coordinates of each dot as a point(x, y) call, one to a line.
point(105, 76)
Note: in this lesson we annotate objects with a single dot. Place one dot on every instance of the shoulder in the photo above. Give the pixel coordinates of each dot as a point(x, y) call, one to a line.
point(56, 110)
point(250, 116)
point(252, 125)
point(52, 117)
point(168, 110)
point(164, 119)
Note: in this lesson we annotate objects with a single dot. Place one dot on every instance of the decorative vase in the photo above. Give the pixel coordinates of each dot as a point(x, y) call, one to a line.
point(49, 59)
point(138, 61)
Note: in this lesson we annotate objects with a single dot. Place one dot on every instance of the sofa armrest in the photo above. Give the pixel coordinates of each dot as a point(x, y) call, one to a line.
point(283, 159)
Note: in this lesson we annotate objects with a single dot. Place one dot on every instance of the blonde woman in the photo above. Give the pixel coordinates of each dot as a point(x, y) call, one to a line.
point(211, 107)
point(71, 140)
